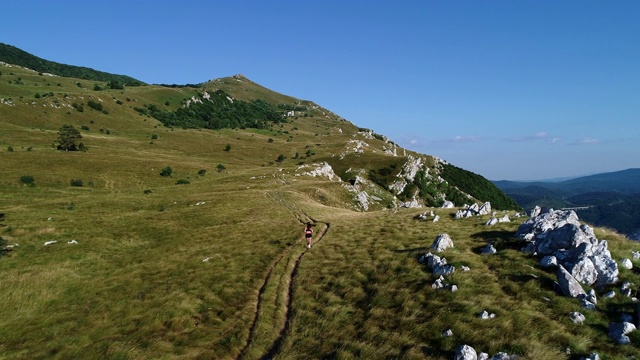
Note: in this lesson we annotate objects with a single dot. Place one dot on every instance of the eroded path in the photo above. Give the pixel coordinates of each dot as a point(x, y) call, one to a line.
point(275, 296)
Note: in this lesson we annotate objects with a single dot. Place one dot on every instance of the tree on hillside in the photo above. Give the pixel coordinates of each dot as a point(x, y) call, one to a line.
point(68, 139)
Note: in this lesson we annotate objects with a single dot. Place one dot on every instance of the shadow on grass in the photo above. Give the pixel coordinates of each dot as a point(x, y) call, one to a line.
point(421, 249)
point(499, 238)
point(431, 351)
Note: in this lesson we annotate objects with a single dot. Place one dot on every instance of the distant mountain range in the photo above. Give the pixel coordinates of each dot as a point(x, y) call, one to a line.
point(607, 199)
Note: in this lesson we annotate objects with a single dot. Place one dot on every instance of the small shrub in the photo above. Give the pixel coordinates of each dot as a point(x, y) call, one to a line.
point(220, 168)
point(227, 147)
point(38, 96)
point(76, 182)
point(27, 180)
point(166, 171)
point(270, 140)
point(95, 105)
point(280, 158)
point(10, 148)
point(84, 127)
point(183, 182)
point(147, 191)
point(154, 136)
point(202, 172)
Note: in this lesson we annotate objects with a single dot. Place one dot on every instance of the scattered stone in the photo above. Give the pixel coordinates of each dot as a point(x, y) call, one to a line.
point(72, 242)
point(464, 268)
point(591, 296)
point(465, 352)
point(626, 263)
point(586, 304)
point(437, 265)
point(422, 216)
point(206, 259)
point(448, 205)
point(635, 255)
point(454, 288)
point(610, 295)
point(488, 250)
point(51, 242)
point(504, 219)
point(592, 356)
point(549, 261)
point(491, 222)
point(577, 318)
point(447, 333)
point(436, 218)
point(484, 315)
point(618, 332)
point(442, 243)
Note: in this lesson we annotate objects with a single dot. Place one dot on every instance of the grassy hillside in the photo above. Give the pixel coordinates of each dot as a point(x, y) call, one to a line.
point(209, 262)
point(12, 55)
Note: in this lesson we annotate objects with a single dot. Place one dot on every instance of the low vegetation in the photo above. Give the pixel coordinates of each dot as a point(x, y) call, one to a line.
point(136, 267)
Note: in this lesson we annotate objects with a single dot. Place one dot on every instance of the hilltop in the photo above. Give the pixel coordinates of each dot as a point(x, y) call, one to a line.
point(177, 233)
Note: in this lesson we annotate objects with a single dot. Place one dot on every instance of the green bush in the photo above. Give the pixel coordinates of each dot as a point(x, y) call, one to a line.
point(154, 136)
point(220, 168)
point(10, 148)
point(227, 147)
point(183, 182)
point(27, 180)
point(76, 182)
point(202, 172)
point(166, 171)
point(95, 105)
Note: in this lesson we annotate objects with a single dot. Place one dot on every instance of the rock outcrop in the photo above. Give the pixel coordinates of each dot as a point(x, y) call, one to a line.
point(559, 233)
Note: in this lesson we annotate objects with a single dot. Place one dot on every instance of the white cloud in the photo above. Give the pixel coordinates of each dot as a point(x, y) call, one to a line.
point(539, 136)
point(588, 141)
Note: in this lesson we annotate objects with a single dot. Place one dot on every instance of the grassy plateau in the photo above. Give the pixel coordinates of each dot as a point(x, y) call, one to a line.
point(212, 264)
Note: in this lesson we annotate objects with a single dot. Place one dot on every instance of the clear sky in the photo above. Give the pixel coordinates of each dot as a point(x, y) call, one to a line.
point(516, 90)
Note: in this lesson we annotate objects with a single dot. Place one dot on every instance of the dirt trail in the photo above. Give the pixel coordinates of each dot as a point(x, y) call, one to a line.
point(270, 281)
point(283, 331)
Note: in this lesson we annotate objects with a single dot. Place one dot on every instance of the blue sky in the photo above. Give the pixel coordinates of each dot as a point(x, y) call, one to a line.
point(517, 90)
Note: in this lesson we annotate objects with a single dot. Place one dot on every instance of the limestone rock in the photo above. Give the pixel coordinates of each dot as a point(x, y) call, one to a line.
point(491, 222)
point(618, 332)
point(567, 284)
point(626, 263)
point(577, 318)
point(549, 261)
point(442, 243)
point(448, 205)
point(488, 250)
point(465, 352)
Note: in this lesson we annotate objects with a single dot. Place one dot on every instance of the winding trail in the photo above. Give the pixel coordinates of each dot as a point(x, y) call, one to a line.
point(272, 281)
